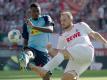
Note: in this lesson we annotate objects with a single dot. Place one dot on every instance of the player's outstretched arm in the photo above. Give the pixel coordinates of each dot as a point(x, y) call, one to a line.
point(43, 29)
point(53, 51)
point(97, 36)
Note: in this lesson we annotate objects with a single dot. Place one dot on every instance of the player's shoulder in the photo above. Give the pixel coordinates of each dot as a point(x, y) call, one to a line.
point(45, 16)
point(83, 23)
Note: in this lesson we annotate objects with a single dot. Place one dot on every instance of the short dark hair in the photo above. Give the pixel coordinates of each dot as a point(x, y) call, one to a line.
point(36, 5)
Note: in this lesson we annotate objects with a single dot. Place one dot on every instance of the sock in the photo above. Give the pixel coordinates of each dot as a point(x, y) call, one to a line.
point(54, 62)
point(26, 59)
point(28, 55)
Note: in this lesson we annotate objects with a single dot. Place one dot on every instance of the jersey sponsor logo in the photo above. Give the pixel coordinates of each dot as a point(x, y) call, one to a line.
point(35, 32)
point(73, 36)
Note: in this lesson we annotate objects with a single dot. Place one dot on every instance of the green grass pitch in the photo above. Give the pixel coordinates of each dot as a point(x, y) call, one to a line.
point(23, 75)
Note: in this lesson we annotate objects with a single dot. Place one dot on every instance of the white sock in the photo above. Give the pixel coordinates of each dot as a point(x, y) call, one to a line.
point(27, 59)
point(54, 62)
point(29, 55)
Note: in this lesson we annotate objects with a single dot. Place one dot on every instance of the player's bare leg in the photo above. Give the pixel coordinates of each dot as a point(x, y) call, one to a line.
point(51, 64)
point(39, 70)
point(71, 75)
point(43, 72)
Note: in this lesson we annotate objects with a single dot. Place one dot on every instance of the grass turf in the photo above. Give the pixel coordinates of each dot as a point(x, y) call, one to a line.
point(96, 78)
point(23, 75)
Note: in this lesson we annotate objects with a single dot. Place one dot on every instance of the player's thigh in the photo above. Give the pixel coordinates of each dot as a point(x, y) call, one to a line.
point(81, 53)
point(82, 58)
point(71, 75)
point(29, 52)
point(41, 58)
point(77, 67)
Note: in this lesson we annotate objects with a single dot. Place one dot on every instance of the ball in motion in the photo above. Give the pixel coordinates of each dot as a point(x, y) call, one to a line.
point(14, 36)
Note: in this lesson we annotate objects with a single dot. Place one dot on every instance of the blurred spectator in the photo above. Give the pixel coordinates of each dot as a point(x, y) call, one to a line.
point(100, 16)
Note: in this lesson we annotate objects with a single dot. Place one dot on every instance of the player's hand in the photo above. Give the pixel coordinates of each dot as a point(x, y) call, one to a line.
point(65, 53)
point(29, 23)
point(49, 46)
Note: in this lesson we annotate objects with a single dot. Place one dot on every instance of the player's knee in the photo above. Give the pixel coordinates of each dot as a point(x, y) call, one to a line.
point(30, 54)
point(69, 76)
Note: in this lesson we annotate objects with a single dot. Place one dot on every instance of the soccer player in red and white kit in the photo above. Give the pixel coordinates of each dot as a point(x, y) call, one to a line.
point(74, 44)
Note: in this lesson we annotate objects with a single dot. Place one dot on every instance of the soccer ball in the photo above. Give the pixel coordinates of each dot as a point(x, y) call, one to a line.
point(14, 36)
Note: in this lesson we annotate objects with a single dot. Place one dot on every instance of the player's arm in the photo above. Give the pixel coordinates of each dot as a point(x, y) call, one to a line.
point(25, 35)
point(60, 45)
point(97, 36)
point(93, 34)
point(60, 48)
point(47, 28)
point(51, 51)
point(25, 42)
point(44, 29)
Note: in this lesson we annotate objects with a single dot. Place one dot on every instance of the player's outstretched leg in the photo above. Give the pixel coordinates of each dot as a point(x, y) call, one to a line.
point(39, 70)
point(44, 74)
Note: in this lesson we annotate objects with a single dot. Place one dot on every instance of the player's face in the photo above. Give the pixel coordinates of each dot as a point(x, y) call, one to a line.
point(35, 12)
point(65, 21)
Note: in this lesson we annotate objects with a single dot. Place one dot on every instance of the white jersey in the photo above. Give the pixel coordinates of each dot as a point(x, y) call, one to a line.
point(77, 43)
point(78, 35)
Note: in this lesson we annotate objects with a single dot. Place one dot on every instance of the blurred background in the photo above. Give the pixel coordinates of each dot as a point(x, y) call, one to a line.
point(12, 13)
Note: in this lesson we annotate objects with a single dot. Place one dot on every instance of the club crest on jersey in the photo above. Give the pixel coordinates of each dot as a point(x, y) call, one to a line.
point(70, 38)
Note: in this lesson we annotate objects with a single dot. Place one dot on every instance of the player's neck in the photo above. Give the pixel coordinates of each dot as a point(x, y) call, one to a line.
point(69, 28)
point(35, 18)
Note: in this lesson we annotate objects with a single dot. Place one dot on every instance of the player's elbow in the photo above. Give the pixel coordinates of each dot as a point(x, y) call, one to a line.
point(96, 35)
point(50, 29)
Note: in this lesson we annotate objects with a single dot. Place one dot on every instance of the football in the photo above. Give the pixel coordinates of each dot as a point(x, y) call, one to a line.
point(14, 36)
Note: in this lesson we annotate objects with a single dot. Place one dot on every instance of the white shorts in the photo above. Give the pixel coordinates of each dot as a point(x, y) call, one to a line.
point(82, 57)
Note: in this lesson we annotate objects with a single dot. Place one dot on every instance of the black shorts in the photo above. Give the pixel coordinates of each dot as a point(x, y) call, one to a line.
point(41, 58)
